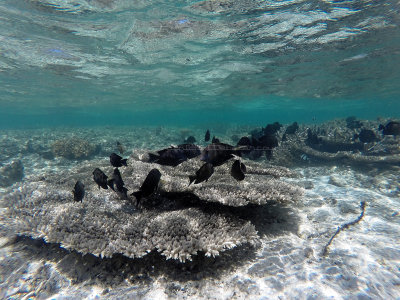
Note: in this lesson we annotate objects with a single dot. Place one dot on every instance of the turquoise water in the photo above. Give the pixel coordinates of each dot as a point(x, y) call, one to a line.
point(110, 62)
point(82, 79)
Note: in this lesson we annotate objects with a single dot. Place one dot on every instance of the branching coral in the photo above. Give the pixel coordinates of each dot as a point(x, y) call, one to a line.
point(104, 225)
point(105, 228)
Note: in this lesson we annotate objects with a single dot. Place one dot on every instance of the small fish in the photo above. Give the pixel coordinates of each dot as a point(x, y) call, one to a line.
point(202, 174)
point(100, 178)
point(149, 185)
point(218, 153)
point(291, 129)
point(190, 140)
point(245, 145)
point(391, 128)
point(271, 129)
point(79, 191)
point(117, 184)
point(312, 138)
point(366, 136)
point(120, 148)
point(268, 141)
point(207, 136)
point(190, 150)
point(237, 170)
point(168, 157)
point(117, 161)
point(215, 140)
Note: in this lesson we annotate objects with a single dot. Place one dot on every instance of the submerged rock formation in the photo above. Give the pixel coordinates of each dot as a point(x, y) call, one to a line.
point(11, 173)
point(73, 148)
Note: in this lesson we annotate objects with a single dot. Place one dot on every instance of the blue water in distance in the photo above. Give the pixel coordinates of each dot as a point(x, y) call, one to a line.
point(109, 62)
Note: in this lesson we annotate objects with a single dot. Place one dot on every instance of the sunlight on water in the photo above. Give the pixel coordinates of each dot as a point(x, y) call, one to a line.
point(140, 55)
point(215, 149)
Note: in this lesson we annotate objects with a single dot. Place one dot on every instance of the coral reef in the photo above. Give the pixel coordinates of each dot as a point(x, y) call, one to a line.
point(73, 148)
point(335, 142)
point(11, 173)
point(260, 186)
point(105, 228)
point(178, 221)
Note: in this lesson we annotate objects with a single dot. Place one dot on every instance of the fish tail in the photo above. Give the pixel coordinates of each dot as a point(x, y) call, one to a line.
point(138, 196)
point(123, 162)
point(191, 179)
point(110, 183)
point(153, 157)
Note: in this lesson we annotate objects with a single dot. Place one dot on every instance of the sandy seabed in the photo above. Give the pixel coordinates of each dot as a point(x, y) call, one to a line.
point(363, 261)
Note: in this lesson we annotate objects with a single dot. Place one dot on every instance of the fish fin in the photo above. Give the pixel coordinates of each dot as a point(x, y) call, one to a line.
point(191, 179)
point(110, 183)
point(153, 157)
point(138, 196)
point(123, 162)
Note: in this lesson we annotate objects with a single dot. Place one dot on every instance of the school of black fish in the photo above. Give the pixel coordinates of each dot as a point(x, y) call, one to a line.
point(215, 155)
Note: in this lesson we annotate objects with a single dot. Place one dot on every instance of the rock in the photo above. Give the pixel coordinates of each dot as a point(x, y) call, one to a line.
point(74, 148)
point(11, 173)
point(337, 181)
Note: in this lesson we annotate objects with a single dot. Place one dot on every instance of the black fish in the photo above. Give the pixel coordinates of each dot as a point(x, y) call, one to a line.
point(217, 154)
point(168, 157)
point(79, 191)
point(245, 145)
point(312, 138)
point(117, 184)
point(366, 136)
point(271, 129)
point(190, 150)
point(202, 174)
point(117, 161)
point(100, 178)
point(120, 147)
point(291, 129)
point(267, 141)
point(207, 136)
point(149, 185)
point(190, 140)
point(391, 128)
point(214, 140)
point(237, 170)
point(244, 141)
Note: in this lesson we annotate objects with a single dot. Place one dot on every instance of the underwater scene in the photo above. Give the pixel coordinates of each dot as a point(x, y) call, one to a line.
point(215, 149)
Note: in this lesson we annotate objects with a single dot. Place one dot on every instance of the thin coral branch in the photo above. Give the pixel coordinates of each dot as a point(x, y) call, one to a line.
point(345, 226)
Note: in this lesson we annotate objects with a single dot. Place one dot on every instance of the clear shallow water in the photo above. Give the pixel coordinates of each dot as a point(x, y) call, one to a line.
point(86, 62)
point(172, 69)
